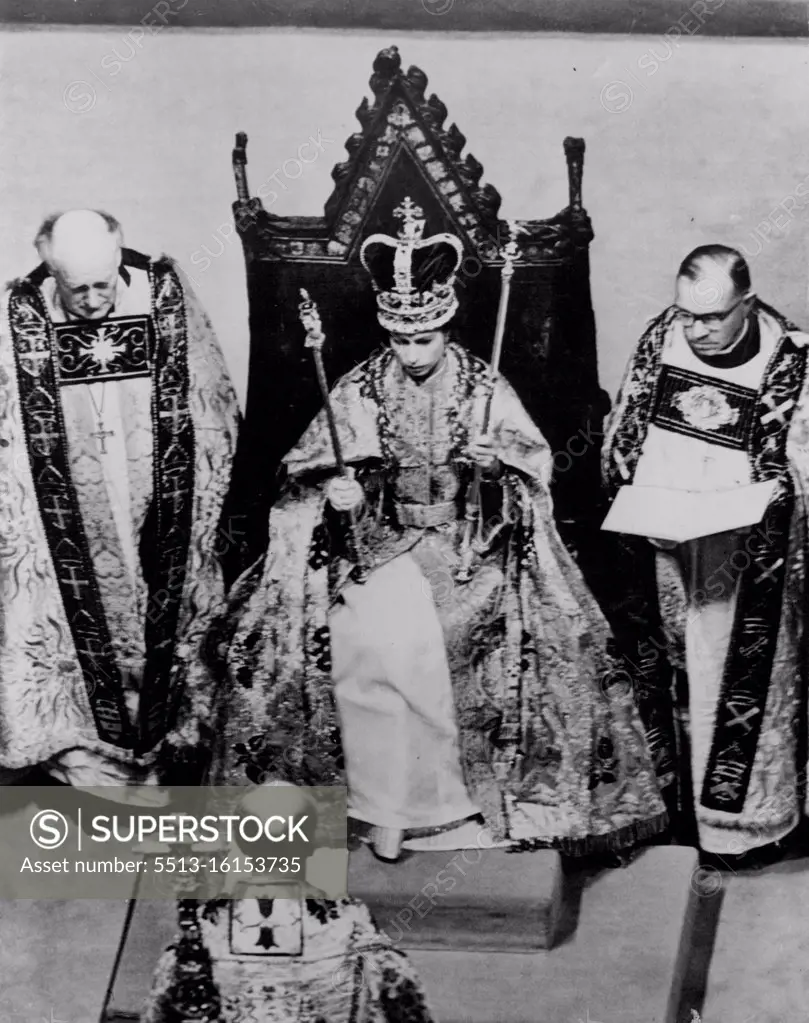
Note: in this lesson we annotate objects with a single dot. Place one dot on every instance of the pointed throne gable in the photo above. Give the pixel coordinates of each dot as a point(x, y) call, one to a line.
point(403, 149)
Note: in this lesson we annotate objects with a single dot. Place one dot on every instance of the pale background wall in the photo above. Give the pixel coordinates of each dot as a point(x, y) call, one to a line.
point(700, 143)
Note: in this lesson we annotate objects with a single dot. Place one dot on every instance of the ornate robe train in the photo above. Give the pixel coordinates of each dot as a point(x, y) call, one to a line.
point(732, 605)
point(438, 700)
point(283, 961)
point(116, 439)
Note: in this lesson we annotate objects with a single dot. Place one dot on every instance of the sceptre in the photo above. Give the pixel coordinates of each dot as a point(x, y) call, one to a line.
point(315, 339)
point(509, 253)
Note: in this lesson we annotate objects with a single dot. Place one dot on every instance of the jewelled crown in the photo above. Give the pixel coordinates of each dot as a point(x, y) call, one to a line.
point(414, 277)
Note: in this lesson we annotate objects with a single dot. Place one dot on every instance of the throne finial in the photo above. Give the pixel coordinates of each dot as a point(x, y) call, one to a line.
point(574, 153)
point(387, 67)
point(239, 165)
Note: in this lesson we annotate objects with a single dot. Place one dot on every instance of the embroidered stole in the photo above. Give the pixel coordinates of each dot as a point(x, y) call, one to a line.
point(704, 407)
point(48, 356)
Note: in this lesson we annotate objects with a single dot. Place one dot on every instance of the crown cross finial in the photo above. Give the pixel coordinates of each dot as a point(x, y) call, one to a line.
point(407, 307)
point(412, 217)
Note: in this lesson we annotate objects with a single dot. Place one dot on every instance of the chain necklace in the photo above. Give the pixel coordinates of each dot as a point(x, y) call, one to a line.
point(470, 372)
point(101, 434)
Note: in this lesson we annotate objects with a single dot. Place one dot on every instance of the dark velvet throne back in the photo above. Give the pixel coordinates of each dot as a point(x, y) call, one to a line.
point(549, 352)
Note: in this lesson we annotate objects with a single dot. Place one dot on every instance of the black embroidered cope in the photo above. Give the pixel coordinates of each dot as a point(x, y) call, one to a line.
point(43, 366)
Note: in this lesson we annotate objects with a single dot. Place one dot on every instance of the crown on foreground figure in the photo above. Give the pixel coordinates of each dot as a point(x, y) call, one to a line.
point(414, 277)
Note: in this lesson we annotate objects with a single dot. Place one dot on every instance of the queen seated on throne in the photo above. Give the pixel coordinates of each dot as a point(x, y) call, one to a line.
point(453, 686)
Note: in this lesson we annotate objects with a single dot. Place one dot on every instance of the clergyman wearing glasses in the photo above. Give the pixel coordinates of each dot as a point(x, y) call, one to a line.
point(715, 403)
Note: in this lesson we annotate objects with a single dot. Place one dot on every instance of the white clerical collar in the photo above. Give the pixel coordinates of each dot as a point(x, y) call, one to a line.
point(735, 344)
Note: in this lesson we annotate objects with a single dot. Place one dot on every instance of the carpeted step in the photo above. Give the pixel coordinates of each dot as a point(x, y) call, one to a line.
point(471, 899)
point(621, 955)
point(625, 961)
point(759, 968)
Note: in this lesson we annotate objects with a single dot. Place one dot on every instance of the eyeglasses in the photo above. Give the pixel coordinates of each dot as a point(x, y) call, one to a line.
point(710, 321)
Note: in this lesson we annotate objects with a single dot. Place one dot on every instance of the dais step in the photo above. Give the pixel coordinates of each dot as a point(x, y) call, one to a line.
point(625, 962)
point(760, 965)
point(471, 899)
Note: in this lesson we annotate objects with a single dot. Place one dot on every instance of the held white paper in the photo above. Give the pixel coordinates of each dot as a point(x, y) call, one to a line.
point(681, 515)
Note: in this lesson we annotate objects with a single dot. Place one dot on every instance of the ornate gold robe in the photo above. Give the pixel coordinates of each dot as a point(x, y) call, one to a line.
point(283, 961)
point(513, 684)
point(109, 572)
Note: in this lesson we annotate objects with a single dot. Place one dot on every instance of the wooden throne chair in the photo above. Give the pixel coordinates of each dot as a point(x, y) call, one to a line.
point(549, 354)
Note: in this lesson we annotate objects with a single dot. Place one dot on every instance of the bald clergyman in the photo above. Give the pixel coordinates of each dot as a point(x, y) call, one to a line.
point(716, 398)
point(117, 428)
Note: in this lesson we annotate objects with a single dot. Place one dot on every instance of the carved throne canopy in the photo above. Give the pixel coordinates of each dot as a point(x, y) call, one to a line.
point(404, 149)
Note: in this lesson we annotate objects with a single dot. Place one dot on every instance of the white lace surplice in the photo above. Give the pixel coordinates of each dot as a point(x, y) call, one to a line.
point(704, 570)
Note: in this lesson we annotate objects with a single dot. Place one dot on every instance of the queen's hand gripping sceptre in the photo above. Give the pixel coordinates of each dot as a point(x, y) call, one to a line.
point(315, 339)
point(509, 254)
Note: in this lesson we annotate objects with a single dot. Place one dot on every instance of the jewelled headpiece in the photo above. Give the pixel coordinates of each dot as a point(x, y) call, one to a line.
point(414, 277)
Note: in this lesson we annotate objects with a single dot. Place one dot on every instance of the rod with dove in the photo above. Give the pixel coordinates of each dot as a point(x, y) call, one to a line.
point(509, 254)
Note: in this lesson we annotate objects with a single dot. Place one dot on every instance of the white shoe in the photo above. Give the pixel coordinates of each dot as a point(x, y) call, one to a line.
point(386, 842)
